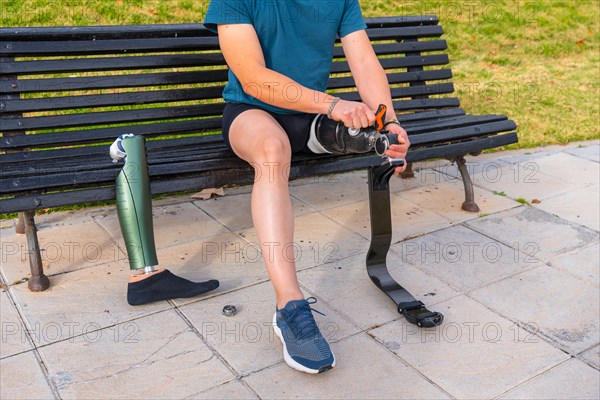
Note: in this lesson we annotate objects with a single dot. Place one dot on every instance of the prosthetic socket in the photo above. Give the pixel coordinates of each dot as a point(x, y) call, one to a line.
point(329, 136)
point(134, 203)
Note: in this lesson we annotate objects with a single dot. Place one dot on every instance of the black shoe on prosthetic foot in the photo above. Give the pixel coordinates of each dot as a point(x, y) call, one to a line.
point(165, 286)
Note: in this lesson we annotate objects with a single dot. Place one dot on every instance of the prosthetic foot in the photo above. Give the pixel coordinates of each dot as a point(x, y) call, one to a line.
point(134, 208)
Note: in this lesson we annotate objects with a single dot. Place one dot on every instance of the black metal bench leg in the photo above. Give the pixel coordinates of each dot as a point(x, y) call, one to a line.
point(381, 237)
point(20, 228)
point(38, 281)
point(469, 203)
point(408, 172)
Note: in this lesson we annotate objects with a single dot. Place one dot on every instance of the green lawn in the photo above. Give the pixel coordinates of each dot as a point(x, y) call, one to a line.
point(536, 61)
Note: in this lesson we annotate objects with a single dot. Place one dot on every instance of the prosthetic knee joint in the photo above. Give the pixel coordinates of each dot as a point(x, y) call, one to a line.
point(331, 137)
point(134, 203)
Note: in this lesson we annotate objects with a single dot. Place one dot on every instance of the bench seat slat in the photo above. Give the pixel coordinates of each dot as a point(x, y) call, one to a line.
point(437, 124)
point(430, 122)
point(460, 133)
point(160, 162)
point(243, 175)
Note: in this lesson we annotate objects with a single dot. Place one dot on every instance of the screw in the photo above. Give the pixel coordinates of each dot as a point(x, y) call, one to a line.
point(229, 310)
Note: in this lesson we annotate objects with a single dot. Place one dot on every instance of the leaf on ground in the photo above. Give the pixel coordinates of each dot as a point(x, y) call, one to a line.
point(536, 201)
point(206, 194)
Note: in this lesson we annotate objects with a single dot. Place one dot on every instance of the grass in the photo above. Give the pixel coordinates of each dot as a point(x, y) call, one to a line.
point(537, 61)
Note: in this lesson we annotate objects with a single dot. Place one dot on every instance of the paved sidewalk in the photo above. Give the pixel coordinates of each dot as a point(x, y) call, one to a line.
point(518, 285)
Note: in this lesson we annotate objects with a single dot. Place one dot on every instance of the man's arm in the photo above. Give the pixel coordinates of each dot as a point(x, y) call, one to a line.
point(368, 74)
point(373, 87)
point(246, 59)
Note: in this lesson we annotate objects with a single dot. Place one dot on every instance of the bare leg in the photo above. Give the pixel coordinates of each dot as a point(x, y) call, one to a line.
point(256, 137)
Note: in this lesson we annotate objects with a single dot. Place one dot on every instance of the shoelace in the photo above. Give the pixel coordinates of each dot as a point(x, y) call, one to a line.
point(301, 321)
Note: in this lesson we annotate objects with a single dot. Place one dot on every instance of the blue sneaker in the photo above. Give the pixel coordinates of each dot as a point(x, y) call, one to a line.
point(304, 348)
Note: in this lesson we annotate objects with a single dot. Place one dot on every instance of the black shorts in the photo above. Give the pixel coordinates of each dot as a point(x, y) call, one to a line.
point(296, 126)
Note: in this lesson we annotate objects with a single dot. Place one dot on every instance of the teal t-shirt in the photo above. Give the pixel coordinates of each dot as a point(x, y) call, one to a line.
point(297, 38)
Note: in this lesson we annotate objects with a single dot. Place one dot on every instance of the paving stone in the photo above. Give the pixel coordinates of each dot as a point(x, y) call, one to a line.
point(592, 356)
point(425, 174)
point(68, 246)
point(22, 378)
point(579, 206)
point(535, 232)
point(583, 263)
point(157, 357)
point(317, 240)
point(230, 390)
point(475, 353)
point(222, 209)
point(570, 168)
point(558, 305)
point(538, 153)
point(446, 199)
point(364, 370)
point(462, 257)
point(14, 335)
point(227, 258)
point(247, 340)
point(591, 152)
point(173, 224)
point(521, 180)
point(348, 188)
point(79, 302)
point(476, 165)
point(408, 219)
point(570, 380)
point(347, 287)
point(332, 190)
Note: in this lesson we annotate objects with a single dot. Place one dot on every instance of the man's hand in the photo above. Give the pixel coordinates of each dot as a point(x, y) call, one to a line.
point(398, 150)
point(353, 114)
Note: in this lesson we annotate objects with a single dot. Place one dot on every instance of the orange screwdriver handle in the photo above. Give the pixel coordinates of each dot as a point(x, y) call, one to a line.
point(380, 116)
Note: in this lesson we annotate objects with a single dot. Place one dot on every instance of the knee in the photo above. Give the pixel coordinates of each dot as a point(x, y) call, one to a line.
point(276, 149)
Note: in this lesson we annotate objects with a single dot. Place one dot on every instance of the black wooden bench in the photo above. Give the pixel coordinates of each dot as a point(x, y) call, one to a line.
point(67, 92)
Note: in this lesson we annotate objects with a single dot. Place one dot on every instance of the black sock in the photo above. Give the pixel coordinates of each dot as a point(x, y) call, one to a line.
point(164, 286)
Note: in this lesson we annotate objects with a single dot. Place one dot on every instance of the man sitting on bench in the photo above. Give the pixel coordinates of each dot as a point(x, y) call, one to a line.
point(280, 55)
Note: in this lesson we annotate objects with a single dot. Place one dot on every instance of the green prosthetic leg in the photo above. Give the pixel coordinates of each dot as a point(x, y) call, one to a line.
point(134, 205)
point(134, 208)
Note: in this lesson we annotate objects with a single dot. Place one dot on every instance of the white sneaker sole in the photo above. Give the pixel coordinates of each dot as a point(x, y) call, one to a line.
point(289, 360)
